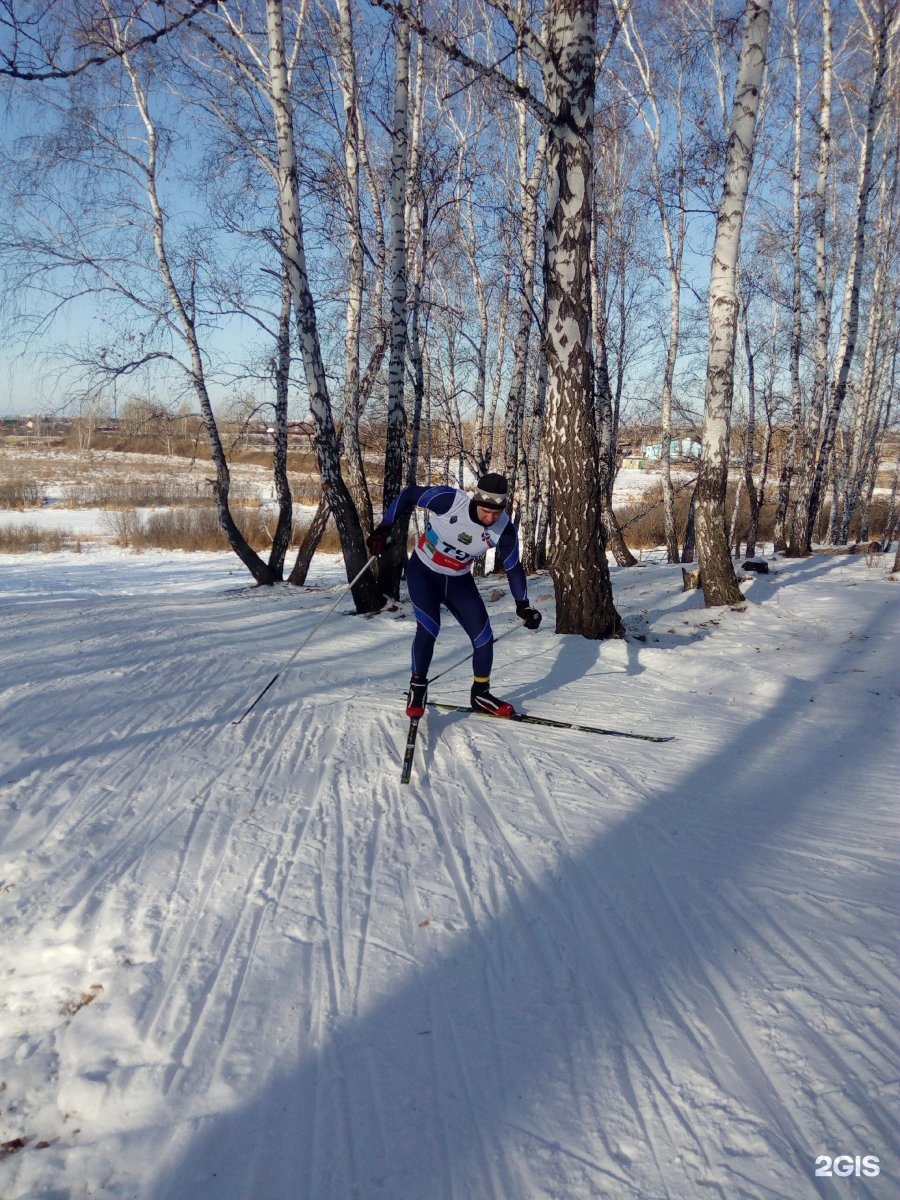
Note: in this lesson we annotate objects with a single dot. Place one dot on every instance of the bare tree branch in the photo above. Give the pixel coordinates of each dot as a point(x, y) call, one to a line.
point(43, 42)
point(452, 50)
point(526, 37)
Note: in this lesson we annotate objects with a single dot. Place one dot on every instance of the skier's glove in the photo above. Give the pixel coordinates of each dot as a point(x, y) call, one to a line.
point(378, 539)
point(529, 615)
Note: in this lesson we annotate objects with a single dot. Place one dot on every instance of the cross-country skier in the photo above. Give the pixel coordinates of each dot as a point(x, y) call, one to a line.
point(459, 528)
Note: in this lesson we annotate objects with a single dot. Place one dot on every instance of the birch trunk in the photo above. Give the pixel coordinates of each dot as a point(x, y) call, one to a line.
point(799, 541)
point(734, 537)
point(392, 562)
point(673, 242)
point(284, 527)
point(606, 404)
point(529, 190)
point(607, 468)
point(716, 569)
point(850, 315)
point(310, 544)
point(261, 571)
point(352, 406)
point(366, 594)
point(479, 397)
point(750, 442)
point(416, 354)
point(870, 399)
point(417, 224)
point(379, 257)
point(577, 559)
point(785, 483)
point(532, 471)
point(395, 454)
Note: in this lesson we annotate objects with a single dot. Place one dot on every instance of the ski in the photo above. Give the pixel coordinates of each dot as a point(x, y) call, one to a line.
point(526, 719)
point(410, 749)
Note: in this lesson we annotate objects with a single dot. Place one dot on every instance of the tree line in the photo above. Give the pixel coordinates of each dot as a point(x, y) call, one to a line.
point(497, 228)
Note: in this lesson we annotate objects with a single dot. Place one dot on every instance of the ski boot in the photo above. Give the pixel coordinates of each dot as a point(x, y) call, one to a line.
point(415, 697)
point(482, 701)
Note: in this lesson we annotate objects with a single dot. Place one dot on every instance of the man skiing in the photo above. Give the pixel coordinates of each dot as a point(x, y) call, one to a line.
point(459, 528)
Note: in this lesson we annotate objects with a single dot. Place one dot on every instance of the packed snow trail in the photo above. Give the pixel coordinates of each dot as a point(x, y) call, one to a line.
point(244, 963)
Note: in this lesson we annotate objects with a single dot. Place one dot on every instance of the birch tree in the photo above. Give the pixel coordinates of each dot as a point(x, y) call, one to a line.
point(879, 26)
point(391, 562)
point(418, 216)
point(646, 103)
point(530, 177)
point(353, 393)
point(46, 41)
point(122, 245)
point(782, 519)
point(753, 355)
point(366, 594)
point(577, 556)
point(567, 56)
point(716, 571)
point(264, 68)
point(873, 394)
point(613, 261)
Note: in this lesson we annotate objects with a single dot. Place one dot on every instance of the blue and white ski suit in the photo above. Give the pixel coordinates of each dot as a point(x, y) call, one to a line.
point(440, 570)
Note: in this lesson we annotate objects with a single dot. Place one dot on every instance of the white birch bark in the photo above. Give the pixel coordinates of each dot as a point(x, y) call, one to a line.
point(529, 191)
point(799, 542)
point(417, 225)
point(365, 592)
point(395, 454)
point(879, 33)
point(281, 379)
point(716, 569)
point(607, 403)
point(872, 395)
point(391, 563)
point(783, 516)
point(416, 349)
point(378, 252)
point(577, 559)
point(673, 234)
point(499, 361)
point(568, 62)
point(185, 323)
point(352, 405)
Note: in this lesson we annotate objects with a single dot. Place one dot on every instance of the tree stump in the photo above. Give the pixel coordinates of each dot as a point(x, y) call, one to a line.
point(690, 579)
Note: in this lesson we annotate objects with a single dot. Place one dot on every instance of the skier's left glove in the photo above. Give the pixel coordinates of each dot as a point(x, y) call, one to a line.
point(529, 615)
point(377, 540)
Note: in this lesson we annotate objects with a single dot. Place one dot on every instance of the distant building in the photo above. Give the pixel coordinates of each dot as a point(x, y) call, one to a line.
point(678, 448)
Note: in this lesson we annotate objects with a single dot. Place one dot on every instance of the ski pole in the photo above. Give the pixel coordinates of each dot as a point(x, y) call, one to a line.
point(307, 639)
point(459, 663)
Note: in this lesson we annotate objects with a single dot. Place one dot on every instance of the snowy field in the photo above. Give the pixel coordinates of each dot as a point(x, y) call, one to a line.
point(241, 962)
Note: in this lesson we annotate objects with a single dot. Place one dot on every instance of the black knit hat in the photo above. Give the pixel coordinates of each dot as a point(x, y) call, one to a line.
point(490, 491)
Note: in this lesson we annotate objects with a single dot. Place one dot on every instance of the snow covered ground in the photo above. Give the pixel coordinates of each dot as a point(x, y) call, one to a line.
point(242, 962)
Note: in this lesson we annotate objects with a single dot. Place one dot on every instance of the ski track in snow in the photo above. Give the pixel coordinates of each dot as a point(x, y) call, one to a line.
point(241, 961)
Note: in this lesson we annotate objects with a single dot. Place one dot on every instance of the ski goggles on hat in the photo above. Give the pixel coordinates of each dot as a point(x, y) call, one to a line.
point(490, 499)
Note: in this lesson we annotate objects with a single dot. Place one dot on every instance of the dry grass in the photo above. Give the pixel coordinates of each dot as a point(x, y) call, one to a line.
point(103, 478)
point(20, 491)
point(197, 529)
point(30, 539)
point(643, 523)
point(157, 492)
point(300, 462)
